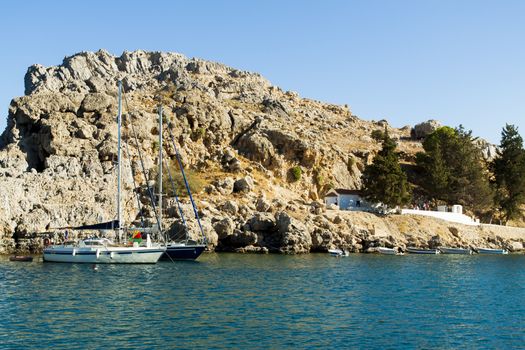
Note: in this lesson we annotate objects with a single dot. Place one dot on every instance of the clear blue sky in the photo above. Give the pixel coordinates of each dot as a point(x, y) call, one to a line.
point(458, 61)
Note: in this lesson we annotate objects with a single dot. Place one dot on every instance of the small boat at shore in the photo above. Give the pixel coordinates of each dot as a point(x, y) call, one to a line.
point(413, 250)
point(450, 250)
point(389, 251)
point(21, 258)
point(338, 252)
point(491, 251)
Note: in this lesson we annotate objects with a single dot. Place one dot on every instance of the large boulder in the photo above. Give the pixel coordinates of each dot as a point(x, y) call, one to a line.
point(97, 102)
point(230, 207)
point(421, 130)
point(212, 239)
point(245, 184)
point(294, 236)
point(225, 186)
point(262, 204)
point(258, 148)
point(224, 228)
point(229, 161)
point(262, 222)
point(321, 238)
point(242, 239)
point(514, 246)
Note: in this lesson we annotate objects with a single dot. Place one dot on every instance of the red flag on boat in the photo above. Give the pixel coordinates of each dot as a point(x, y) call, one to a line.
point(136, 237)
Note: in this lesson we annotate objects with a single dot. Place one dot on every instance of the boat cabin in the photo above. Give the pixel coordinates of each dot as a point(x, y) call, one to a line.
point(96, 242)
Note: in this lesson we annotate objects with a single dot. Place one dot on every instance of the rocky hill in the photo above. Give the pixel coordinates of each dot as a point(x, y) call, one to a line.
point(238, 133)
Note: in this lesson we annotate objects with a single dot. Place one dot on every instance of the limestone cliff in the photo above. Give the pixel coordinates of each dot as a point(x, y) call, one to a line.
point(239, 133)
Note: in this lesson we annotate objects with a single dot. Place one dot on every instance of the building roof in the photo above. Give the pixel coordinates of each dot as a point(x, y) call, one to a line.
point(345, 191)
point(339, 191)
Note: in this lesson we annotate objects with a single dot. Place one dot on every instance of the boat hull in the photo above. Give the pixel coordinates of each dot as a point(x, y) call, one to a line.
point(422, 251)
point(117, 255)
point(183, 252)
point(463, 251)
point(387, 251)
point(338, 252)
point(491, 251)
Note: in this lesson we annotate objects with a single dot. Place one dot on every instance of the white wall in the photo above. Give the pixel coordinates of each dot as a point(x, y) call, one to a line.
point(349, 202)
point(452, 217)
point(330, 200)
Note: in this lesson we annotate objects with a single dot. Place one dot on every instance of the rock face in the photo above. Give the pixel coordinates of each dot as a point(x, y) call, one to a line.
point(294, 235)
point(488, 150)
point(239, 135)
point(423, 129)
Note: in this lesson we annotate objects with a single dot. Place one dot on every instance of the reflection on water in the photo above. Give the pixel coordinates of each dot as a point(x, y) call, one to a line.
point(267, 301)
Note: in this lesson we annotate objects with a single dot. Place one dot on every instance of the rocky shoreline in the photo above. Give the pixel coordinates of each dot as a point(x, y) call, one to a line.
point(266, 158)
point(357, 232)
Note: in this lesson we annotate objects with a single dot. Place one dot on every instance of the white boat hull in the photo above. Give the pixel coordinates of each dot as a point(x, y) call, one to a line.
point(412, 250)
point(388, 251)
point(448, 250)
point(338, 252)
point(491, 251)
point(109, 255)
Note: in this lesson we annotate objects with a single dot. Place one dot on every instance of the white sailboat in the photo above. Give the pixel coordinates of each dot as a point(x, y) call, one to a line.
point(102, 250)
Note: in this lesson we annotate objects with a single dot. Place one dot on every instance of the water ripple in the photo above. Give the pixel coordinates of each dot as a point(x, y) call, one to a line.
point(247, 301)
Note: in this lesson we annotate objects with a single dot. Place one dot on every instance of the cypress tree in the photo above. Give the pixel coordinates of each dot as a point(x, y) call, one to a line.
point(508, 170)
point(384, 181)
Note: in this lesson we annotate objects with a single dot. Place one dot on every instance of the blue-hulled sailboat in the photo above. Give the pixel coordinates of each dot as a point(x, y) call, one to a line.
point(178, 248)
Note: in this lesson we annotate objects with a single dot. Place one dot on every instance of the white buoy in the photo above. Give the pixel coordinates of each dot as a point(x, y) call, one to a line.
point(98, 253)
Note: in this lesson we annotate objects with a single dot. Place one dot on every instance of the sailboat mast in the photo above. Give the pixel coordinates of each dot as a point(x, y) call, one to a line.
point(119, 122)
point(160, 170)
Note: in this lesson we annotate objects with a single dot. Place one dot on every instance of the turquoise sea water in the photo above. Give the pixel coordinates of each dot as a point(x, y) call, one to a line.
point(267, 301)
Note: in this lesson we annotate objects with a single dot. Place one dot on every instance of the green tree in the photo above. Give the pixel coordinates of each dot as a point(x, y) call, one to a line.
point(384, 181)
point(436, 172)
point(377, 135)
point(508, 169)
point(453, 169)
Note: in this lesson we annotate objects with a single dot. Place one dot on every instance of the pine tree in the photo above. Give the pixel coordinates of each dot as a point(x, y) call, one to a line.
point(435, 163)
point(508, 170)
point(453, 169)
point(384, 181)
point(470, 183)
